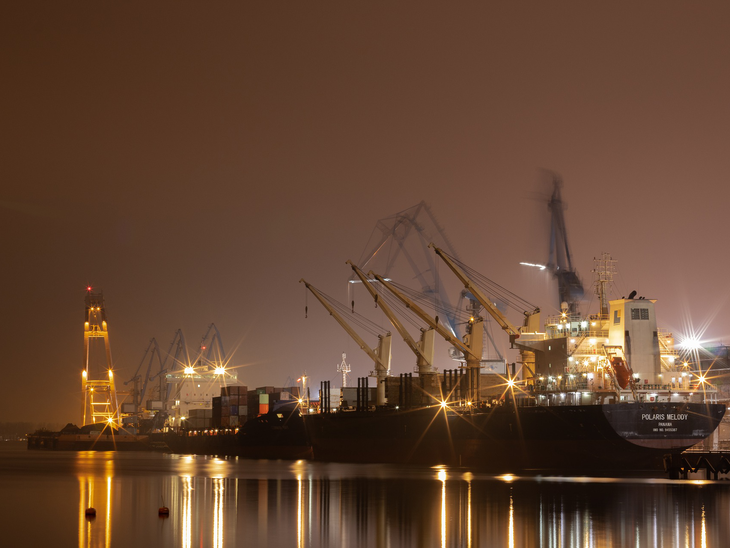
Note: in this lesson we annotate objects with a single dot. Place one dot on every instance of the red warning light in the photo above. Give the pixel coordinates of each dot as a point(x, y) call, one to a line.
point(202, 348)
point(88, 288)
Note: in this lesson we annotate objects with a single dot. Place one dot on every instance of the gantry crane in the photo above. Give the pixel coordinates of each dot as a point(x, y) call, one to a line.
point(380, 354)
point(153, 350)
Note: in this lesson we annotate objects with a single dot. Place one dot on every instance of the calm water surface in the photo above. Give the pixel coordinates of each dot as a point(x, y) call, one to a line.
point(228, 502)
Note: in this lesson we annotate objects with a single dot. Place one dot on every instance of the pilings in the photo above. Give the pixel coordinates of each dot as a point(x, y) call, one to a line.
point(714, 463)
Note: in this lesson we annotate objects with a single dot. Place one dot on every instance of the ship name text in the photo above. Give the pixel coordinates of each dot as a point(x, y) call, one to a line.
point(664, 417)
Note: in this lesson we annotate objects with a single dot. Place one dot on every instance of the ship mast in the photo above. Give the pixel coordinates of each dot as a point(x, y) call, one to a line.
point(604, 269)
point(344, 369)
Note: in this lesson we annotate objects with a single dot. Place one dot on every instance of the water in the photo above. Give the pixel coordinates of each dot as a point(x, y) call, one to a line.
point(233, 502)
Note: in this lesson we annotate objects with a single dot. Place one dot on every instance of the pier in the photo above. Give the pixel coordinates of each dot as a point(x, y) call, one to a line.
point(714, 463)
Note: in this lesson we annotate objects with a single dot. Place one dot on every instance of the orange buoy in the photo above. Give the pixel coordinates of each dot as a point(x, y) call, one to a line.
point(164, 512)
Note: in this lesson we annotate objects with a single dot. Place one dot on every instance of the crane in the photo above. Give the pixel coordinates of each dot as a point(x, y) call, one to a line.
point(532, 318)
point(406, 235)
point(380, 355)
point(212, 353)
point(153, 350)
point(424, 349)
point(560, 263)
point(471, 346)
point(181, 358)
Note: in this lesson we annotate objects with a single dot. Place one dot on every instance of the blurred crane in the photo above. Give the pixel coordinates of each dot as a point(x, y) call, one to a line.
point(560, 263)
point(138, 395)
point(407, 234)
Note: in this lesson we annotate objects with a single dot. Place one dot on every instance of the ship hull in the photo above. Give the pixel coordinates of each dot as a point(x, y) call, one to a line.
point(577, 439)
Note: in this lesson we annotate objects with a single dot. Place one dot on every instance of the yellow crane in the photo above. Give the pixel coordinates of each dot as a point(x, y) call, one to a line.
point(423, 349)
point(471, 346)
point(532, 319)
point(380, 354)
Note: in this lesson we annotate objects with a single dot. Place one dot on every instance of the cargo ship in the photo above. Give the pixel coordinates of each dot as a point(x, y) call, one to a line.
point(511, 438)
point(600, 392)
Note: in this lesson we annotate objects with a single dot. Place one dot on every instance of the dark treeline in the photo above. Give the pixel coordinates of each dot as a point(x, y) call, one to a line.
point(18, 430)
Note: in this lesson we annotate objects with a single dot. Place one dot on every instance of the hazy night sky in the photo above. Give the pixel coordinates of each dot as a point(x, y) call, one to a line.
point(195, 160)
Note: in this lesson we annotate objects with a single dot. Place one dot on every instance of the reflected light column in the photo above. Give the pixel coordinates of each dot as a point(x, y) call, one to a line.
point(511, 520)
point(468, 514)
point(300, 517)
point(187, 514)
point(218, 512)
point(108, 535)
point(442, 479)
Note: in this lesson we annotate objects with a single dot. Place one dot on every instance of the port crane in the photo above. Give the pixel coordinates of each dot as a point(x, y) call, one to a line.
point(100, 395)
point(153, 351)
point(211, 354)
point(407, 234)
point(180, 358)
point(424, 349)
point(471, 347)
point(560, 262)
point(532, 317)
point(380, 354)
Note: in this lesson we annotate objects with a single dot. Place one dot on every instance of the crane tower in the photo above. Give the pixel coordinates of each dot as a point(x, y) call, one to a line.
point(100, 396)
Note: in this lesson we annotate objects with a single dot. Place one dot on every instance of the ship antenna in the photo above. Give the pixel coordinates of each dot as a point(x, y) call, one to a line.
point(345, 369)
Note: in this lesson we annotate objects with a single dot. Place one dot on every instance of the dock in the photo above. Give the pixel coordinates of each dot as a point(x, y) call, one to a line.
point(714, 463)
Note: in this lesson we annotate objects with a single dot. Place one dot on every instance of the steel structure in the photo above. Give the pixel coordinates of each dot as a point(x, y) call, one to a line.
point(406, 235)
point(560, 263)
point(100, 396)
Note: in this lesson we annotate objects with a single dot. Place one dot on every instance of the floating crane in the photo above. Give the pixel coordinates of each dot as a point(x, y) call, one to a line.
point(424, 349)
point(380, 354)
point(100, 395)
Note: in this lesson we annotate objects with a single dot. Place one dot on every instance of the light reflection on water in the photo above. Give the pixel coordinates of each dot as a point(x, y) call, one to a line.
point(222, 502)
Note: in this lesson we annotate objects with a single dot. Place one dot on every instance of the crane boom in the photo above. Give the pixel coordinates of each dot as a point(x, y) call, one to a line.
point(500, 318)
point(350, 331)
point(390, 314)
point(425, 317)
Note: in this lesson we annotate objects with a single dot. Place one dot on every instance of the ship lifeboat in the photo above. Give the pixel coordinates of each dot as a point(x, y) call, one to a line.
point(621, 370)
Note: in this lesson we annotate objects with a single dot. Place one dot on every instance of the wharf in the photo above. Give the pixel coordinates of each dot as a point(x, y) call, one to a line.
point(714, 463)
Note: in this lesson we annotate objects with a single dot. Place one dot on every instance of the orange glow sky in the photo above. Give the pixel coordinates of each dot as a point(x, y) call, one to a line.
point(194, 161)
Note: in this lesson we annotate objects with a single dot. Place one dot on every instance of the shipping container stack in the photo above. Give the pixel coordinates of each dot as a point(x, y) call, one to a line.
point(268, 398)
point(199, 419)
point(234, 406)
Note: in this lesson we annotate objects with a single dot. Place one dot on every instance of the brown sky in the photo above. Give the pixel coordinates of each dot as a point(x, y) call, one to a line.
point(194, 160)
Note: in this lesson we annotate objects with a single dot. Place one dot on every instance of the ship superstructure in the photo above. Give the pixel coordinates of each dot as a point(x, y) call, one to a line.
point(617, 354)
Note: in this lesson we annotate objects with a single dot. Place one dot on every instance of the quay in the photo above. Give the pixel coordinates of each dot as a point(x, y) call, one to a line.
point(714, 463)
